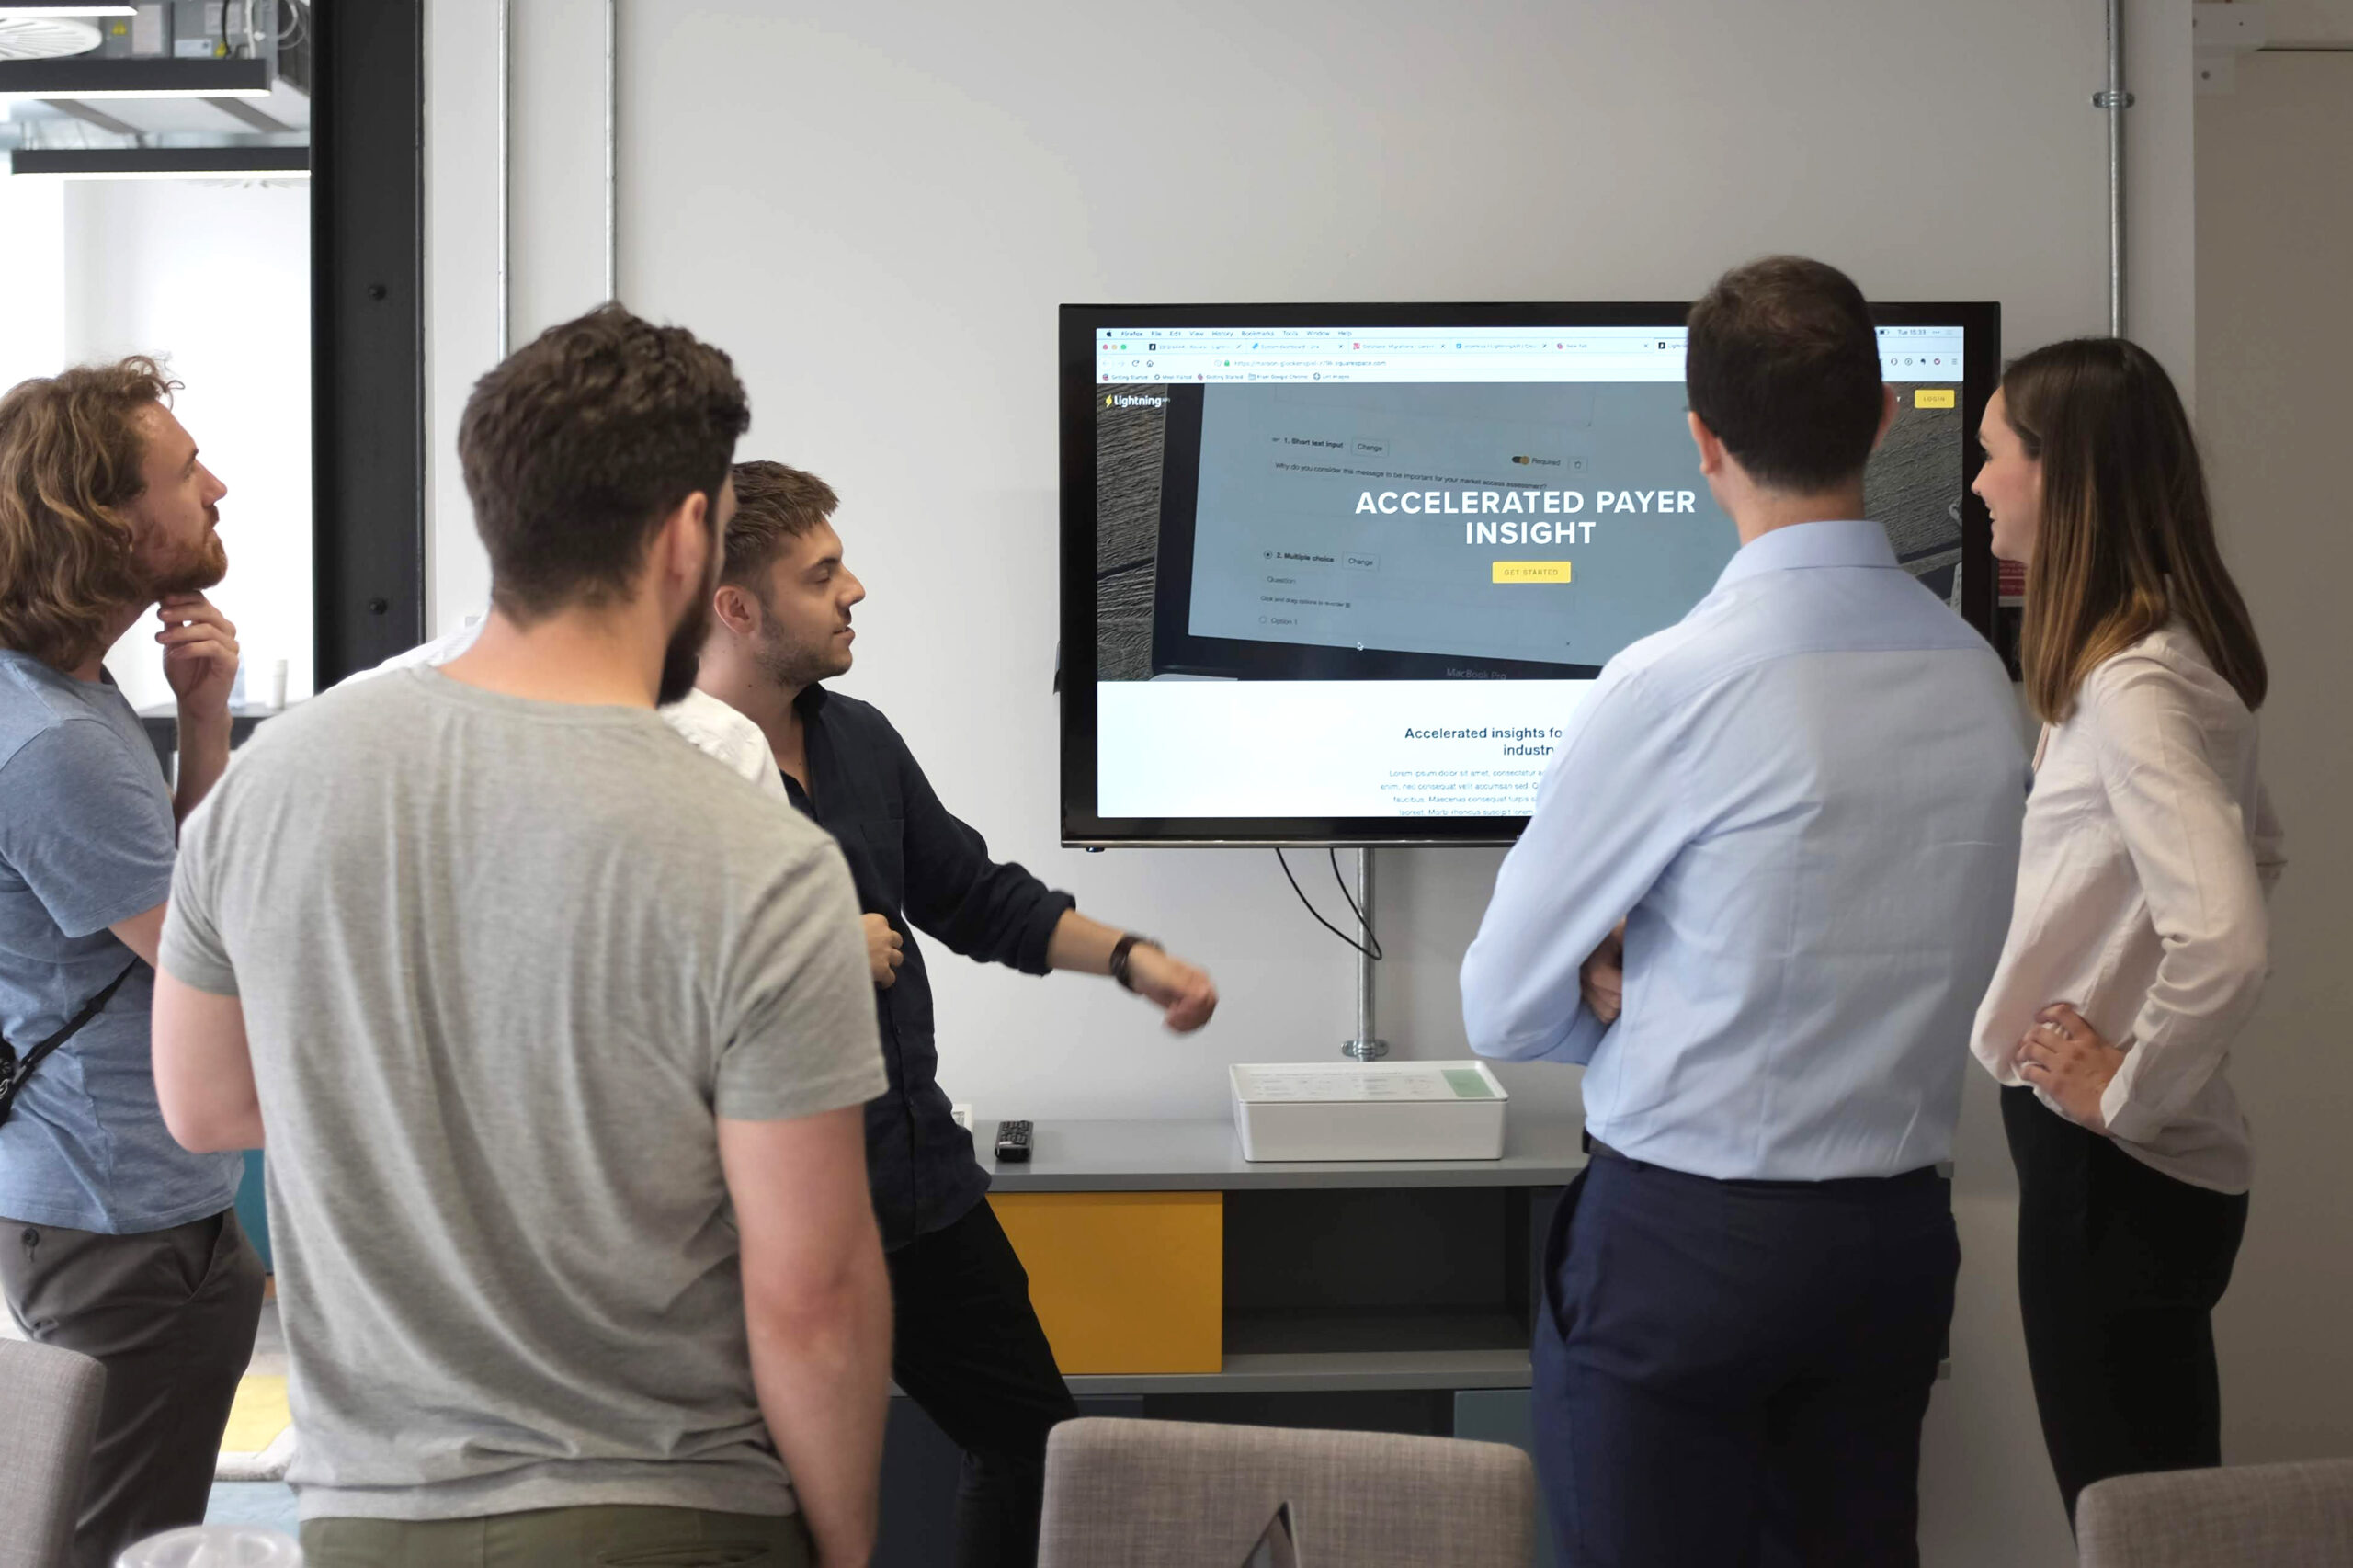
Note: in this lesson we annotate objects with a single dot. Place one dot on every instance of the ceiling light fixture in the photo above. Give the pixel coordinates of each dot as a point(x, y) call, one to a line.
point(139, 93)
point(161, 162)
point(89, 77)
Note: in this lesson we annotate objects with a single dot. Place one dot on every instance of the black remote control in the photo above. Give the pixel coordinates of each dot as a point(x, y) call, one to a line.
point(1012, 1141)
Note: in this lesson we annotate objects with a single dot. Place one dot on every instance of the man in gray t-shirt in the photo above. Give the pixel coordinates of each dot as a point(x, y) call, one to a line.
point(560, 1033)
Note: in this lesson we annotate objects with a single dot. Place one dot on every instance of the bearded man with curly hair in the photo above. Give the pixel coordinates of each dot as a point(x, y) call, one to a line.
point(116, 1242)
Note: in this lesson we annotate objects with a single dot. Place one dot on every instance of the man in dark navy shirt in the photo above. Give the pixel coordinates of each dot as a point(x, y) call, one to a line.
point(967, 1346)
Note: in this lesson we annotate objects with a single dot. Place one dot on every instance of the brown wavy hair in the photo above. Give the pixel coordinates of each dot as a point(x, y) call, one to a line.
point(70, 463)
point(2126, 538)
point(578, 445)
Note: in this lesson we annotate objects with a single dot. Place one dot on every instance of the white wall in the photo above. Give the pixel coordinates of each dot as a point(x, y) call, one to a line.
point(33, 279)
point(2275, 334)
point(876, 207)
point(215, 279)
point(2306, 22)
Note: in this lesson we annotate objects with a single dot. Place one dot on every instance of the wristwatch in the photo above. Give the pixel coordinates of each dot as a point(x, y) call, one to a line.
point(1119, 951)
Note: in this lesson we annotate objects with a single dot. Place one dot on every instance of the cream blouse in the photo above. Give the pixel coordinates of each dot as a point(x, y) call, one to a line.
point(2148, 853)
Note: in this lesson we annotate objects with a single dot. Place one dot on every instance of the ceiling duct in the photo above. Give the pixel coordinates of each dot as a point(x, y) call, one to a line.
point(46, 37)
point(153, 76)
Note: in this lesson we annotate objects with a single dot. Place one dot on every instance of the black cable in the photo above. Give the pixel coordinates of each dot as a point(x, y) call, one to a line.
point(1364, 921)
point(1370, 946)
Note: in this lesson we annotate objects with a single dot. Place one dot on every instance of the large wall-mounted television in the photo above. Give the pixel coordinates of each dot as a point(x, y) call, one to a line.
point(1340, 573)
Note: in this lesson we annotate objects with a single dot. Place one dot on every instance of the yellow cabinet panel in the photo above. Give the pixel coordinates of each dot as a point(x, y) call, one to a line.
point(1124, 1282)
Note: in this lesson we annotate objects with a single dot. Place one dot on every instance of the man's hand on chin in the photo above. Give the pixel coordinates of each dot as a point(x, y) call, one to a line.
point(200, 654)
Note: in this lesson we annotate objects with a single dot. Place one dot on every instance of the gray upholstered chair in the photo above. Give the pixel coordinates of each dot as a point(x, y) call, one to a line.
point(1183, 1494)
point(48, 1410)
point(2254, 1516)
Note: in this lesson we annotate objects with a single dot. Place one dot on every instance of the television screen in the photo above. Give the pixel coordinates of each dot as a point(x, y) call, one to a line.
point(1341, 574)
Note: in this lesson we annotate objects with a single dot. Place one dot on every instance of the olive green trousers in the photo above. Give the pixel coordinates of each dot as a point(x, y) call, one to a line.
point(605, 1537)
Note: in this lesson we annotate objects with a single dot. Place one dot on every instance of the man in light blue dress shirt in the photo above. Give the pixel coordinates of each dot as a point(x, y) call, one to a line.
point(1803, 803)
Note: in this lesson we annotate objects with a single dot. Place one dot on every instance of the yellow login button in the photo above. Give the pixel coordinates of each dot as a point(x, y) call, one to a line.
point(1932, 397)
point(1531, 572)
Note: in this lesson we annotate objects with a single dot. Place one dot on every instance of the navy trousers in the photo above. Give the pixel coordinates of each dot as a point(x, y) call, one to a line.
point(1733, 1374)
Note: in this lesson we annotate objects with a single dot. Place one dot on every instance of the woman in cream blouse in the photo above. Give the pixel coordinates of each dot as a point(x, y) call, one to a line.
point(2138, 940)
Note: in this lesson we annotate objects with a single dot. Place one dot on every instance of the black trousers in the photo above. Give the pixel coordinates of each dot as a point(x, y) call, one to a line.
point(2119, 1267)
point(171, 1314)
point(967, 1348)
point(1734, 1373)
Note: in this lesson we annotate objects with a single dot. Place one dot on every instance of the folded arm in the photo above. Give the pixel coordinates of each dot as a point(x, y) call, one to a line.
point(1606, 823)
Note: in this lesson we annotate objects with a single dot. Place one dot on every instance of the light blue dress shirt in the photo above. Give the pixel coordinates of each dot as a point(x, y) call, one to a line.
point(1805, 799)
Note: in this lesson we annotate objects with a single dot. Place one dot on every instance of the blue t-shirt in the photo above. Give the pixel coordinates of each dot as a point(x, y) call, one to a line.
point(87, 838)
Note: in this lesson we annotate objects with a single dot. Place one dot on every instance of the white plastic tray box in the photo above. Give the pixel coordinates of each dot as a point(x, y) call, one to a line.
point(1371, 1110)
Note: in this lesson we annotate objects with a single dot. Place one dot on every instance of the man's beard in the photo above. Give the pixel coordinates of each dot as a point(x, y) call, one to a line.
point(682, 660)
point(193, 572)
point(793, 669)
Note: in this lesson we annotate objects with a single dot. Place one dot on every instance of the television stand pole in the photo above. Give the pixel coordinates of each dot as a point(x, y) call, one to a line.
point(1365, 1046)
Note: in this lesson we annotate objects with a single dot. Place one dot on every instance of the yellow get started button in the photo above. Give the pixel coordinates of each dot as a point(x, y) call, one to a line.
point(1531, 572)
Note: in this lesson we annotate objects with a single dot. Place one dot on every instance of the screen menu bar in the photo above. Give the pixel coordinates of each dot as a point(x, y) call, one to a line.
point(1146, 355)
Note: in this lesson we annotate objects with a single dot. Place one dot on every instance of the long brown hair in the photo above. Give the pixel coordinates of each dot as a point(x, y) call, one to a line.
point(70, 462)
point(2126, 540)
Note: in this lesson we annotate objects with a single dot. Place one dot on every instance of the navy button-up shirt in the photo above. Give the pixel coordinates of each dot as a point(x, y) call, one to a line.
point(917, 865)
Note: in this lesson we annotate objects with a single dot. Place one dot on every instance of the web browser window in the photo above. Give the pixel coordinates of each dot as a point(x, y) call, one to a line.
point(1532, 520)
point(1369, 572)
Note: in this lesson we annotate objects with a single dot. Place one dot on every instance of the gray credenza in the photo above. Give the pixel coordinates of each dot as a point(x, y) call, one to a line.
point(1378, 1296)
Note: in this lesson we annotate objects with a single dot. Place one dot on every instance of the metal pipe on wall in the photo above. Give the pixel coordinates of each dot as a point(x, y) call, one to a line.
point(506, 162)
point(2115, 100)
point(1364, 960)
point(612, 181)
point(1366, 1045)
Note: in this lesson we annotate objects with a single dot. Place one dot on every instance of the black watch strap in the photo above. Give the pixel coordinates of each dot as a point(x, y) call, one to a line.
point(1119, 951)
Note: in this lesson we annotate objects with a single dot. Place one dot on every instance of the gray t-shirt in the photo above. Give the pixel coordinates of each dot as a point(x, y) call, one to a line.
point(503, 963)
point(85, 840)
